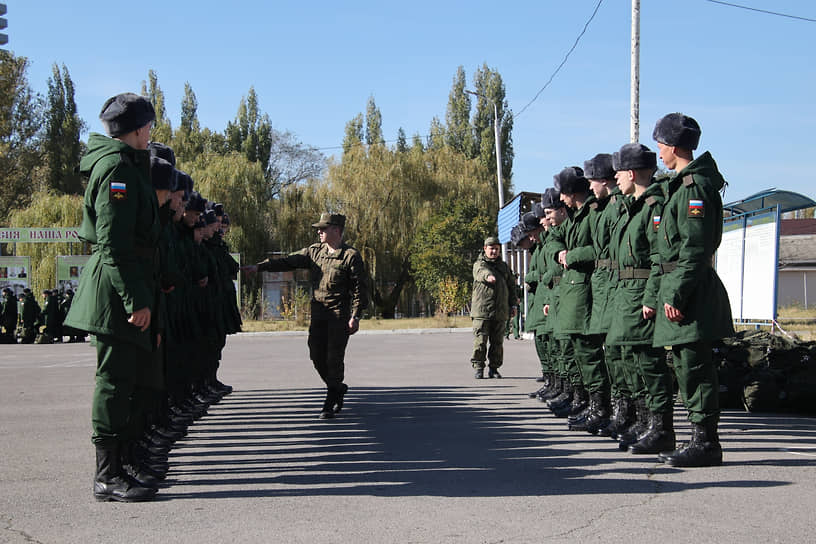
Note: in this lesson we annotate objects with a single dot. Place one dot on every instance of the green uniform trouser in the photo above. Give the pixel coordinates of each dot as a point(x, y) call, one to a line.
point(590, 361)
point(542, 345)
point(655, 375)
point(488, 331)
point(619, 385)
point(698, 381)
point(123, 397)
point(516, 322)
point(567, 365)
point(328, 338)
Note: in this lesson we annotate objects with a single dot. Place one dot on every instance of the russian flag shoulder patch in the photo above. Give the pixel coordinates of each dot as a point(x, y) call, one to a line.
point(696, 208)
point(118, 191)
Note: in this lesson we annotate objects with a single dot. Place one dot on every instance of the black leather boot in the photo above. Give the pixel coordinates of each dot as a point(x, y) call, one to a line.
point(641, 423)
point(580, 400)
point(555, 389)
point(622, 414)
point(479, 374)
point(328, 405)
point(493, 373)
point(341, 395)
point(111, 482)
point(703, 450)
point(133, 466)
point(564, 399)
point(598, 412)
point(659, 437)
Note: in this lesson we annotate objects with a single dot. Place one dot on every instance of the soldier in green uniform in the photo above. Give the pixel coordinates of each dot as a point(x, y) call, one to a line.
point(117, 293)
point(559, 347)
point(575, 302)
point(693, 309)
point(8, 319)
point(50, 317)
point(30, 314)
point(492, 301)
point(635, 297)
point(339, 296)
point(533, 241)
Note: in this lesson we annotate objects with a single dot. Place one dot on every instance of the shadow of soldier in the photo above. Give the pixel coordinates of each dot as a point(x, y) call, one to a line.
point(411, 441)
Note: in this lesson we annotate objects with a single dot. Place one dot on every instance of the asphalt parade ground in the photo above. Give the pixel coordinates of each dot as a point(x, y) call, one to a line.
point(422, 452)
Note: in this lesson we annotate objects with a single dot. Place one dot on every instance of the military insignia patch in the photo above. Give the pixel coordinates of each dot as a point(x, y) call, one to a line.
point(696, 208)
point(118, 191)
point(655, 222)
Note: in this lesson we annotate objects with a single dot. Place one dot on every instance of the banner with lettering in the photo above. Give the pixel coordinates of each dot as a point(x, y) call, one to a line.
point(34, 235)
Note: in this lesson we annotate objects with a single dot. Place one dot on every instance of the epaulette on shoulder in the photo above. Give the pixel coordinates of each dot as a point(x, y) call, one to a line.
point(688, 180)
point(613, 199)
point(594, 206)
point(651, 201)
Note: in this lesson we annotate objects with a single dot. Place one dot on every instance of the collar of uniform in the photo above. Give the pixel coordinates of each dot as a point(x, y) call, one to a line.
point(337, 254)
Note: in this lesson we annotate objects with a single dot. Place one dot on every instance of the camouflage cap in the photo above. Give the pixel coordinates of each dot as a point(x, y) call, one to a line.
point(492, 241)
point(327, 219)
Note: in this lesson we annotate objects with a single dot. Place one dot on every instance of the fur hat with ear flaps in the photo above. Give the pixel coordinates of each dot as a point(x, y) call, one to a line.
point(571, 181)
point(599, 167)
point(679, 130)
point(634, 157)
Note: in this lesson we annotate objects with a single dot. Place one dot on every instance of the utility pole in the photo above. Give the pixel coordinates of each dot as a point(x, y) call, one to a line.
point(634, 103)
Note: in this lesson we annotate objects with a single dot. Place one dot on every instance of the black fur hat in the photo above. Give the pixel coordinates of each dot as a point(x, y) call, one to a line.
point(530, 222)
point(218, 209)
point(599, 167)
point(162, 174)
point(571, 180)
point(209, 217)
point(185, 183)
point(196, 203)
point(516, 234)
point(125, 113)
point(634, 157)
point(678, 130)
point(551, 199)
point(538, 209)
point(160, 150)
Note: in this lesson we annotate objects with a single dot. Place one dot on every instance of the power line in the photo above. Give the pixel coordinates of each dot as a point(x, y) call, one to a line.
point(558, 69)
point(762, 11)
point(563, 62)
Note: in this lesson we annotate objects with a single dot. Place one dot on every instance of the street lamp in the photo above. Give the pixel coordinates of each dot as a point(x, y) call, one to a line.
point(496, 131)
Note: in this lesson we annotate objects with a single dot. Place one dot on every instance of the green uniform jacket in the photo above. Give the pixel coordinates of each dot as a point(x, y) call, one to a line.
point(690, 233)
point(121, 221)
point(553, 243)
point(604, 276)
point(339, 280)
point(536, 290)
point(635, 238)
point(492, 300)
point(575, 299)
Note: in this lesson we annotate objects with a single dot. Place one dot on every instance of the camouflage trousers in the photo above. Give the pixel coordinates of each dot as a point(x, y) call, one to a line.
point(488, 331)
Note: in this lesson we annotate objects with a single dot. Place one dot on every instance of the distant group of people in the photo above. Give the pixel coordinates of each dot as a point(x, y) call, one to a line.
point(157, 295)
point(23, 320)
point(621, 275)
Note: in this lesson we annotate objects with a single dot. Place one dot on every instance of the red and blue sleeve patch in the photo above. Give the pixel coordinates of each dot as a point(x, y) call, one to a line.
point(696, 208)
point(118, 191)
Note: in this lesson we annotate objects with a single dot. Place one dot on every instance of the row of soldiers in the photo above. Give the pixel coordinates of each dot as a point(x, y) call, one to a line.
point(621, 270)
point(25, 319)
point(158, 296)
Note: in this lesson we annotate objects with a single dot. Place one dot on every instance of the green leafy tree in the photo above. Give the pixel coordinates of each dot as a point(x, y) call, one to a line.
point(488, 82)
point(162, 129)
point(437, 135)
point(402, 141)
point(444, 249)
point(20, 121)
point(354, 133)
point(373, 124)
point(251, 132)
point(62, 146)
point(459, 134)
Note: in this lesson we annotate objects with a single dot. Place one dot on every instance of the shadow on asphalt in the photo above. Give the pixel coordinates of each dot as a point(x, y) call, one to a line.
point(415, 441)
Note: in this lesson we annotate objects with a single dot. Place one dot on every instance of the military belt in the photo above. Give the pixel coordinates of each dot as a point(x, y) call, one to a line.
point(609, 264)
point(631, 273)
point(668, 267)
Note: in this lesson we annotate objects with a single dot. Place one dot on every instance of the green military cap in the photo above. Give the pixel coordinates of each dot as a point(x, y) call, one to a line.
point(327, 219)
point(492, 241)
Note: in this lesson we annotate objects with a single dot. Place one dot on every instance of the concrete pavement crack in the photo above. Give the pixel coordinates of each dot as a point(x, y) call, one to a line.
point(7, 527)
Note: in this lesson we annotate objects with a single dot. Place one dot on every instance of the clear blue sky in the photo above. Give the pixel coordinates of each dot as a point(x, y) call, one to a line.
point(747, 77)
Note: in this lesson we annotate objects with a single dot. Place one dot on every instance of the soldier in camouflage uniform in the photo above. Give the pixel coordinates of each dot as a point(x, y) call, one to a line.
point(339, 296)
point(692, 305)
